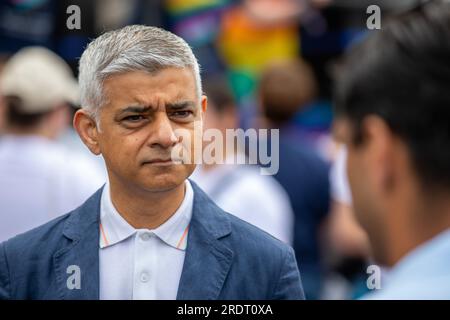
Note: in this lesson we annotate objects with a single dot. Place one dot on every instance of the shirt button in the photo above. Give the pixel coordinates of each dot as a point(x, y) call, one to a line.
point(145, 276)
point(145, 236)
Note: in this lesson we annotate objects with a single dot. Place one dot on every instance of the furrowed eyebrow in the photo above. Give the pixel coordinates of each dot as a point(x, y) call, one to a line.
point(180, 105)
point(143, 109)
point(135, 109)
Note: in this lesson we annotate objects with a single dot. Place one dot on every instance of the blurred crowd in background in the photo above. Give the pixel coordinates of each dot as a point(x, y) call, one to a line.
point(265, 64)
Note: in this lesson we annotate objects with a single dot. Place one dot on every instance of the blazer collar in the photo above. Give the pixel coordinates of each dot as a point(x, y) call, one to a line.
point(207, 261)
point(208, 257)
point(82, 229)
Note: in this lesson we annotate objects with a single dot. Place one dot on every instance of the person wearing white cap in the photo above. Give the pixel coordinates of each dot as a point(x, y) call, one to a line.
point(39, 178)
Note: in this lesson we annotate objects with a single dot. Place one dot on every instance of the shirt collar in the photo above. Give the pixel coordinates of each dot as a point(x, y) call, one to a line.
point(417, 262)
point(114, 228)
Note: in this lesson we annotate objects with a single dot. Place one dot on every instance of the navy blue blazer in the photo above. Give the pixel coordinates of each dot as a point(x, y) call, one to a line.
point(226, 258)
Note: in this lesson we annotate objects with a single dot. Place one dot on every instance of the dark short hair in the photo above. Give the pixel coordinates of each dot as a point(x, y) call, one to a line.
point(402, 74)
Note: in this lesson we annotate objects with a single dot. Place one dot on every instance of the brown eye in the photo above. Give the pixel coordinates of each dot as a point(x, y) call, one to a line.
point(182, 114)
point(134, 118)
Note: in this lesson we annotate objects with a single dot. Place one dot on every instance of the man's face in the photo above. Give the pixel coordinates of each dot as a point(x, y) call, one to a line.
point(138, 123)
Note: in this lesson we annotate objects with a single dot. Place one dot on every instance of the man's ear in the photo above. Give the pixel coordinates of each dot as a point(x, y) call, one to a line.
point(204, 105)
point(87, 130)
point(381, 150)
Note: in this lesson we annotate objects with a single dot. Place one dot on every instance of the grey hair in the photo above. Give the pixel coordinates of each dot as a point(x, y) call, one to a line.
point(132, 48)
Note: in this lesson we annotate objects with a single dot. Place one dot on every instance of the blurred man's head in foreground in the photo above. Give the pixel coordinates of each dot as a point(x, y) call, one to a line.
point(393, 99)
point(36, 87)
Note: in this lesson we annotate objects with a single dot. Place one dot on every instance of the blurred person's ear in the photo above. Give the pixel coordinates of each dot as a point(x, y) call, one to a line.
point(87, 129)
point(381, 153)
point(204, 106)
point(210, 118)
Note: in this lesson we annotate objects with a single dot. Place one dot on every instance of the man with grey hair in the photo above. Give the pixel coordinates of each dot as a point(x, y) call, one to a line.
point(149, 233)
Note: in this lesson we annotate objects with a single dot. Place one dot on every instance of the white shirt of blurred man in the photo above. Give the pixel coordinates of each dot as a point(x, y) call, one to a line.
point(39, 178)
point(238, 188)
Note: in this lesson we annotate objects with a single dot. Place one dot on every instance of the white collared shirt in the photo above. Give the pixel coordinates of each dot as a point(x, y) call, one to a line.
point(141, 263)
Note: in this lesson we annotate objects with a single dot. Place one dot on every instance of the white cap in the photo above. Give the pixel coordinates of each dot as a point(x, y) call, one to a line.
point(40, 78)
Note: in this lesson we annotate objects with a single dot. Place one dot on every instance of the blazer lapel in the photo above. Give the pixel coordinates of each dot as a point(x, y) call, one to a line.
point(77, 262)
point(207, 262)
point(208, 258)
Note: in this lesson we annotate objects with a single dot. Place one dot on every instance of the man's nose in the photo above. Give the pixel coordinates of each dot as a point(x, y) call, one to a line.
point(163, 135)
